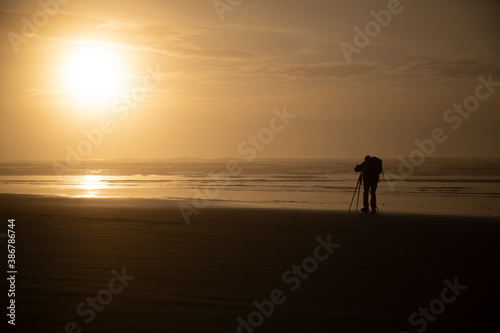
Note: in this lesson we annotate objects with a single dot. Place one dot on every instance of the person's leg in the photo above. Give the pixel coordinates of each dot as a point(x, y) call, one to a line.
point(373, 201)
point(366, 188)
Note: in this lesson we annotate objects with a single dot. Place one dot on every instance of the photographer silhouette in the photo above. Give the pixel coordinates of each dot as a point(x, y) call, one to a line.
point(370, 170)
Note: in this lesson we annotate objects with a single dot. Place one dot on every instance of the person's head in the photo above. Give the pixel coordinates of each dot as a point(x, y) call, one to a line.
point(367, 158)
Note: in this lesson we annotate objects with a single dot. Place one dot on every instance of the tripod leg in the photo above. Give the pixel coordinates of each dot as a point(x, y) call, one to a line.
point(354, 194)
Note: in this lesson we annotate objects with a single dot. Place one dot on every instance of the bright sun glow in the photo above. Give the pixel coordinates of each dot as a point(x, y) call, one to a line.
point(93, 74)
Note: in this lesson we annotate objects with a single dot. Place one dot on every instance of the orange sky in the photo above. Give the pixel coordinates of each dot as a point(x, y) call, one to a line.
point(212, 83)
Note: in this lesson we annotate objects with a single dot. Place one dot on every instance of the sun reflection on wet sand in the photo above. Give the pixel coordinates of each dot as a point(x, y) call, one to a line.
point(92, 184)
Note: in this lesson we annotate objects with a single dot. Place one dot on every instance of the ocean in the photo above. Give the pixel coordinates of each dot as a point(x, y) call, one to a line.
point(448, 186)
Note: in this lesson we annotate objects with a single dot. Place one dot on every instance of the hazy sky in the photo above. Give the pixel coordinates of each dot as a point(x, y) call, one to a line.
point(219, 81)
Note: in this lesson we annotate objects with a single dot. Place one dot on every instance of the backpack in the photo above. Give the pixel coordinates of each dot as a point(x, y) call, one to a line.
point(377, 165)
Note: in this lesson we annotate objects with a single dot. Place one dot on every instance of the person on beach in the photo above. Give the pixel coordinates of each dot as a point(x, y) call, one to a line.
point(370, 170)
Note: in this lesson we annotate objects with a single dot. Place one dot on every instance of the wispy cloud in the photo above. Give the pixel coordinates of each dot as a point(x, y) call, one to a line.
point(166, 39)
point(325, 70)
point(448, 69)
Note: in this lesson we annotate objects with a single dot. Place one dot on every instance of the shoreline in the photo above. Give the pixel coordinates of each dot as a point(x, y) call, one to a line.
point(111, 201)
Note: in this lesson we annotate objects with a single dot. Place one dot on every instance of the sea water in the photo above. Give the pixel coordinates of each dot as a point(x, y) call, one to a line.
point(451, 186)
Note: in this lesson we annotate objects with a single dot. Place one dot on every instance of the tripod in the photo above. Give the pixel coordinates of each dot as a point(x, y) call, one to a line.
point(357, 189)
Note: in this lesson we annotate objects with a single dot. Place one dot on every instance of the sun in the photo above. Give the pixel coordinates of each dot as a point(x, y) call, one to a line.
point(92, 74)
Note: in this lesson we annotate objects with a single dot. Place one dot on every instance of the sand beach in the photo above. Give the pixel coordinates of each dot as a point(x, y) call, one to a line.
point(134, 265)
